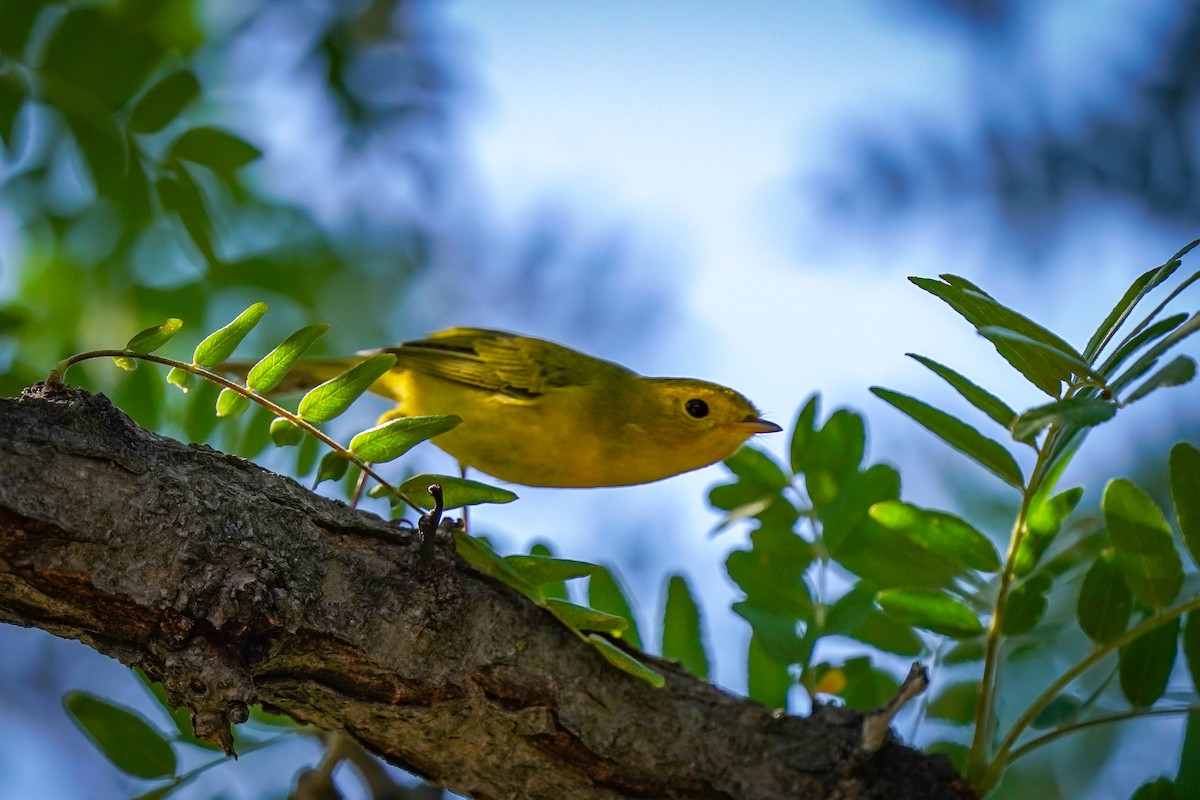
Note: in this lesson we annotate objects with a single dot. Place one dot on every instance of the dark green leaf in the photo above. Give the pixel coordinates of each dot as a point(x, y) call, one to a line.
point(335, 395)
point(1191, 651)
point(457, 492)
point(215, 148)
point(1158, 789)
point(1145, 551)
point(959, 435)
point(932, 610)
point(1145, 664)
point(1104, 600)
point(164, 101)
point(682, 638)
point(556, 589)
point(154, 337)
point(756, 467)
point(1147, 359)
point(99, 57)
point(1185, 494)
point(866, 686)
point(803, 432)
point(18, 16)
point(395, 438)
point(285, 433)
point(776, 631)
point(768, 680)
point(1176, 372)
point(1079, 411)
point(230, 403)
point(582, 618)
point(267, 373)
point(1119, 314)
point(1026, 605)
point(1064, 362)
point(605, 594)
point(1189, 760)
point(965, 652)
point(333, 467)
point(200, 421)
point(1061, 709)
point(955, 703)
point(985, 401)
point(623, 661)
point(306, 455)
point(124, 738)
point(14, 94)
point(179, 194)
point(1160, 328)
point(181, 379)
point(1042, 524)
point(945, 534)
point(540, 570)
point(855, 616)
point(219, 345)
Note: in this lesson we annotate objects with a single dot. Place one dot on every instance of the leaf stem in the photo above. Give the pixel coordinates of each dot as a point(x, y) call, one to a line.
point(1075, 727)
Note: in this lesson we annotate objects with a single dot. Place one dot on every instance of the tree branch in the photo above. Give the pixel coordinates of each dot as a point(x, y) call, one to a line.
point(234, 585)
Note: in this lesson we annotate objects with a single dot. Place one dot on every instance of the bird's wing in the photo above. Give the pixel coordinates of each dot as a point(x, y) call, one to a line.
point(495, 361)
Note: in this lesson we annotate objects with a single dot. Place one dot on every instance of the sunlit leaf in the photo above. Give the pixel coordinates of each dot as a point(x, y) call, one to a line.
point(285, 433)
point(268, 372)
point(932, 610)
point(768, 680)
point(1104, 600)
point(985, 401)
point(124, 737)
point(456, 492)
point(940, 532)
point(623, 661)
point(955, 703)
point(164, 101)
point(219, 345)
point(230, 403)
point(1175, 372)
point(396, 437)
point(682, 637)
point(605, 594)
point(335, 395)
point(959, 435)
point(1144, 665)
point(1185, 494)
point(582, 618)
point(1042, 524)
point(181, 379)
point(154, 337)
point(214, 147)
point(540, 570)
point(1142, 540)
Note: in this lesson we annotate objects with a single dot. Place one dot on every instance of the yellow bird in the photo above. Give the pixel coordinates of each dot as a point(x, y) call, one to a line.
point(541, 414)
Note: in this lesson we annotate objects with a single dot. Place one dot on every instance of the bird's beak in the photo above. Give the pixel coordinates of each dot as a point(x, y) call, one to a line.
point(754, 425)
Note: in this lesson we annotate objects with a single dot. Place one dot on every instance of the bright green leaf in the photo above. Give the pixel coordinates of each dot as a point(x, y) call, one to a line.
point(1145, 664)
point(985, 401)
point(1042, 524)
point(218, 346)
point(230, 403)
point(163, 102)
point(456, 492)
point(396, 437)
point(623, 661)
point(582, 618)
point(768, 680)
point(682, 637)
point(154, 337)
point(125, 739)
point(181, 379)
point(540, 570)
point(959, 435)
point(335, 395)
point(1142, 540)
point(940, 532)
point(1078, 411)
point(932, 610)
point(285, 433)
point(1185, 494)
point(268, 372)
point(476, 553)
point(605, 594)
point(1176, 372)
point(1104, 600)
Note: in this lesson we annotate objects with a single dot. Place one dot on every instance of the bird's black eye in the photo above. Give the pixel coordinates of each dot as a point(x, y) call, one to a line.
point(696, 407)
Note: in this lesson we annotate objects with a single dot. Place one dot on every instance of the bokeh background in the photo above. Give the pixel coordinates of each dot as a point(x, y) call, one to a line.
point(730, 191)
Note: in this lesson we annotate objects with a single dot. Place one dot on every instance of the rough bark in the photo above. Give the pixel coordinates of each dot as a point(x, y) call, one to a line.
point(234, 585)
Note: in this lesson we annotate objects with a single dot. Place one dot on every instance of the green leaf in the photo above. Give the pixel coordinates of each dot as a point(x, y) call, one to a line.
point(582, 618)
point(284, 432)
point(962, 437)
point(1176, 372)
point(125, 739)
point(1145, 664)
point(333, 467)
point(1189, 759)
point(267, 373)
point(556, 589)
point(540, 570)
point(218, 346)
point(1079, 411)
point(776, 631)
point(1064, 361)
point(832, 456)
point(215, 148)
point(393, 439)
point(181, 379)
point(1142, 539)
point(623, 661)
point(932, 610)
point(456, 492)
point(1185, 494)
point(768, 679)
point(605, 594)
point(1026, 605)
point(803, 432)
point(855, 616)
point(1147, 359)
point(1042, 524)
point(1160, 788)
point(154, 337)
point(163, 102)
point(230, 403)
point(476, 553)
point(982, 312)
point(1104, 600)
point(1061, 709)
point(945, 534)
point(682, 638)
point(14, 92)
point(955, 703)
point(1191, 652)
point(867, 687)
point(1122, 353)
point(180, 195)
point(1118, 315)
point(985, 401)
point(757, 467)
point(335, 395)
